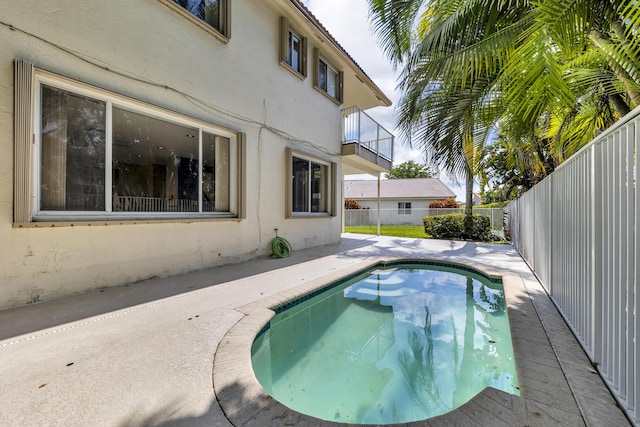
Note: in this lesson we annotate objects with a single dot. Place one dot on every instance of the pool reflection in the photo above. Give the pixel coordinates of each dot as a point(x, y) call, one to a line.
point(393, 346)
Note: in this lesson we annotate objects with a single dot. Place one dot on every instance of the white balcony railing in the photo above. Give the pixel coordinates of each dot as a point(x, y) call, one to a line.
point(359, 128)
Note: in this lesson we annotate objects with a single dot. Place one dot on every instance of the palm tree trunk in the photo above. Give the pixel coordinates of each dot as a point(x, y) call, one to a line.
point(602, 43)
point(468, 207)
point(619, 104)
point(468, 347)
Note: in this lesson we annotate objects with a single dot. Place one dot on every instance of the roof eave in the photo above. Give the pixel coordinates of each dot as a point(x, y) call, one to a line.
point(298, 7)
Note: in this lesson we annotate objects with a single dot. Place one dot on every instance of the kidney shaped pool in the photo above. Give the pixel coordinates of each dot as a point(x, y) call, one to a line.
point(399, 343)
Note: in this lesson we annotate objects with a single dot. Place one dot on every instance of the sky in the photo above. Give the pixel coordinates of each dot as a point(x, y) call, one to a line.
point(348, 23)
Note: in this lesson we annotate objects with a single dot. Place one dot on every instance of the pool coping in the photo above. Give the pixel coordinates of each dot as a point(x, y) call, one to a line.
point(546, 395)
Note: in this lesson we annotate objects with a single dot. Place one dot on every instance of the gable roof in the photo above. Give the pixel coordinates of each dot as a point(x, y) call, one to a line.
point(417, 188)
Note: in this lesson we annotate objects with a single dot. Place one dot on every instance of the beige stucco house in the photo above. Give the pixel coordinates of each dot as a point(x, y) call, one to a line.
point(153, 137)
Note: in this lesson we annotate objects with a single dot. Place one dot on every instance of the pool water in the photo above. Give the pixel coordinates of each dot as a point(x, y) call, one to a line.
point(392, 345)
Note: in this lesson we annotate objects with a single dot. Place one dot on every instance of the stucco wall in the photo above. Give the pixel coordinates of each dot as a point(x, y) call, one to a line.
point(144, 50)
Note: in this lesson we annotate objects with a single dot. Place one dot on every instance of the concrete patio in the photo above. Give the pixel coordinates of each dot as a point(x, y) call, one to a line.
point(172, 351)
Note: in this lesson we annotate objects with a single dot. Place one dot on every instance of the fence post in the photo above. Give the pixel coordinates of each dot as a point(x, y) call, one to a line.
point(596, 262)
point(378, 204)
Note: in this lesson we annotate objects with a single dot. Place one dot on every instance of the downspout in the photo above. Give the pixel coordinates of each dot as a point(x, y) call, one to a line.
point(378, 204)
point(344, 211)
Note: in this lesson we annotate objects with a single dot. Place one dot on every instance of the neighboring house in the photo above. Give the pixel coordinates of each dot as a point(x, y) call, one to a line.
point(150, 138)
point(401, 200)
point(476, 201)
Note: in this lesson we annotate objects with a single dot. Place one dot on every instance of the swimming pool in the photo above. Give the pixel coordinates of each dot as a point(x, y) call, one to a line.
point(399, 343)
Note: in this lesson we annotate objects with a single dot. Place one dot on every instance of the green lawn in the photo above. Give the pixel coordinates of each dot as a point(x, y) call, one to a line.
point(416, 231)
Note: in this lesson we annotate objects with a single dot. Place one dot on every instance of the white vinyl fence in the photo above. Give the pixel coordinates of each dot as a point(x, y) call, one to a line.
point(413, 216)
point(578, 230)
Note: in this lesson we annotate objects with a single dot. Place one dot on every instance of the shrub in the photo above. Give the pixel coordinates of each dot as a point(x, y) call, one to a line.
point(452, 227)
point(444, 226)
point(351, 204)
point(449, 203)
point(493, 205)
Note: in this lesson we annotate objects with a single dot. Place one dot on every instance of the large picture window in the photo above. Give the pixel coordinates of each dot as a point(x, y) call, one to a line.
point(98, 157)
point(311, 184)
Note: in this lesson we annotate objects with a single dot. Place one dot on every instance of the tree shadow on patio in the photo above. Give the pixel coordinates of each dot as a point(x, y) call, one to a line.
point(167, 416)
point(35, 317)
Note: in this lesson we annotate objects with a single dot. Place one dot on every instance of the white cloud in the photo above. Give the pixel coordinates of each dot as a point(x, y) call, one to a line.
point(348, 23)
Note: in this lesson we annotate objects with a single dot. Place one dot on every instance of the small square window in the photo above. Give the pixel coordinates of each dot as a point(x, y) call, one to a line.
point(328, 79)
point(404, 208)
point(293, 48)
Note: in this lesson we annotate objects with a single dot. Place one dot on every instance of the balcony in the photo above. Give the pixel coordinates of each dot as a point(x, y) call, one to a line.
point(367, 147)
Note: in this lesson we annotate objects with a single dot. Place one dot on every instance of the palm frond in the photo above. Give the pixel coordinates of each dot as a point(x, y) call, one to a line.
point(393, 21)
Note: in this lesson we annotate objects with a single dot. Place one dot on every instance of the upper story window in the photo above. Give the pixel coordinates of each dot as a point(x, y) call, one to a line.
point(311, 185)
point(101, 156)
point(215, 13)
point(328, 79)
point(293, 48)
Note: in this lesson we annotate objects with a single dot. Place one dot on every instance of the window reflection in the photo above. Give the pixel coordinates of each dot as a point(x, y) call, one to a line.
point(317, 188)
point(210, 11)
point(215, 173)
point(300, 185)
point(72, 165)
point(156, 165)
point(309, 186)
point(294, 57)
point(322, 75)
point(328, 79)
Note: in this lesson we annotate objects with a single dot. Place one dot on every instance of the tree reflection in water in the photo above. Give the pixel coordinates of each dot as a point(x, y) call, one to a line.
point(418, 368)
point(479, 364)
point(390, 347)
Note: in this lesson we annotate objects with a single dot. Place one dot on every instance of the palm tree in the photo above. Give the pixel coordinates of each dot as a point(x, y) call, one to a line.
point(573, 64)
point(451, 63)
point(558, 72)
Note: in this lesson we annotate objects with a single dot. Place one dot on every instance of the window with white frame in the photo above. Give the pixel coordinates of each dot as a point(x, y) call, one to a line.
point(404, 208)
point(99, 155)
point(328, 79)
point(293, 48)
point(310, 186)
point(215, 13)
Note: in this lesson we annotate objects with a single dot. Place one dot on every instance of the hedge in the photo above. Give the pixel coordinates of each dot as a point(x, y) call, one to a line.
point(451, 226)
